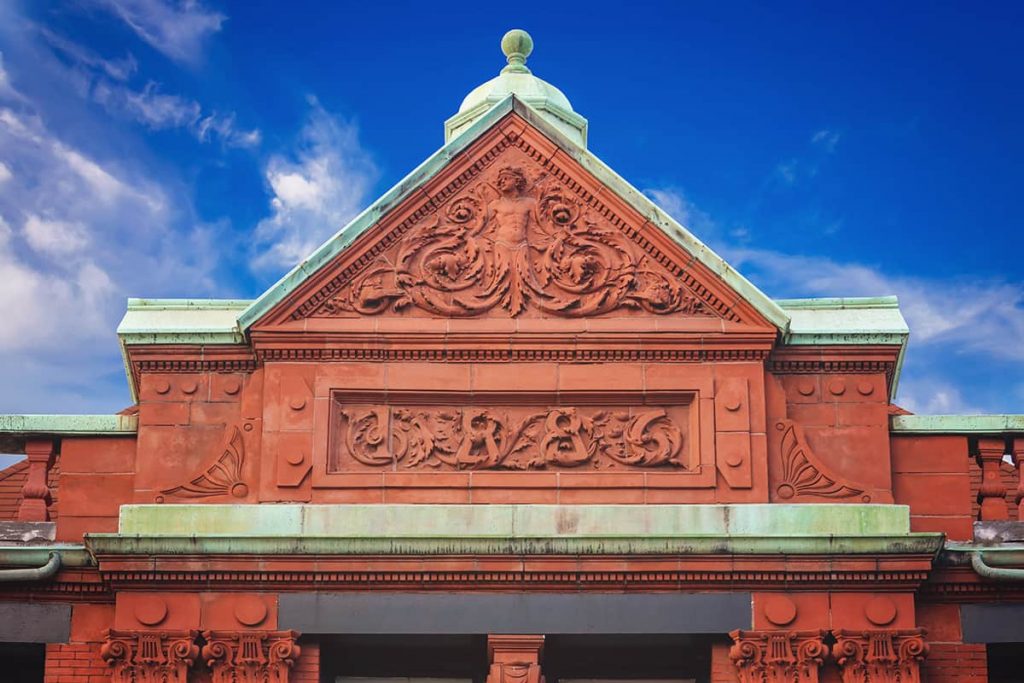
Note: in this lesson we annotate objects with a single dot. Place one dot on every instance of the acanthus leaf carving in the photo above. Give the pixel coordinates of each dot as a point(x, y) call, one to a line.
point(222, 477)
point(778, 656)
point(509, 243)
point(804, 474)
point(882, 656)
point(463, 437)
point(250, 656)
point(149, 656)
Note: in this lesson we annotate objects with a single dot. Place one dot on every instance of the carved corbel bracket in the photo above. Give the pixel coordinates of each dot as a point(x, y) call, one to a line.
point(883, 656)
point(250, 656)
point(778, 656)
point(515, 659)
point(150, 656)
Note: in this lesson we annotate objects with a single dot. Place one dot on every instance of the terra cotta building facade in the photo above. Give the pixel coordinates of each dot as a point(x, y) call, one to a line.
point(511, 423)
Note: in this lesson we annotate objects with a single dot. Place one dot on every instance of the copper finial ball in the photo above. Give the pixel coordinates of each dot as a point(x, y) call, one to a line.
point(517, 46)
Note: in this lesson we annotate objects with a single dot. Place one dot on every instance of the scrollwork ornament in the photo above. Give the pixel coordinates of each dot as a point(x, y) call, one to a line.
point(880, 656)
point(149, 656)
point(509, 243)
point(491, 438)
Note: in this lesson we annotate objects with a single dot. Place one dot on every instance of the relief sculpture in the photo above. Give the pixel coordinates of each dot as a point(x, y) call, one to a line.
point(511, 243)
point(496, 438)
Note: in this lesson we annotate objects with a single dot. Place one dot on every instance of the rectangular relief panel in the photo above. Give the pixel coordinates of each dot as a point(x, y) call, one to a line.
point(514, 436)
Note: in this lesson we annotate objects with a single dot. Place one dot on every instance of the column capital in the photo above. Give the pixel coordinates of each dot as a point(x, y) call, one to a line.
point(149, 656)
point(882, 656)
point(778, 656)
point(250, 656)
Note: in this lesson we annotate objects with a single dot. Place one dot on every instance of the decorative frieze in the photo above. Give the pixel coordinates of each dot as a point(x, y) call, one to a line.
point(510, 437)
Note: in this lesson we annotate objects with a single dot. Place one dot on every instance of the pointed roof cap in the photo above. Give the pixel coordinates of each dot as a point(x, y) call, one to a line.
point(517, 79)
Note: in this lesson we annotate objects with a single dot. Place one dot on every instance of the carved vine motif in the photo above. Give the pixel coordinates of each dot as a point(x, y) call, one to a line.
point(804, 474)
point(778, 656)
point(223, 477)
point(250, 657)
point(880, 656)
point(508, 243)
point(149, 657)
point(492, 438)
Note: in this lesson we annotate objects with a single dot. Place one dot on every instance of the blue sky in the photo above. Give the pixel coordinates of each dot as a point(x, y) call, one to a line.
point(175, 148)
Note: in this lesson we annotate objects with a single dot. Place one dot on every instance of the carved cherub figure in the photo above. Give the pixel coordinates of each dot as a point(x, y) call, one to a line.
point(513, 210)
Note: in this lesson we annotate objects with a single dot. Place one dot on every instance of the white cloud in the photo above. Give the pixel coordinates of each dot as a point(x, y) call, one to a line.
point(974, 315)
point(5, 173)
point(161, 111)
point(55, 238)
point(935, 396)
point(826, 139)
point(675, 203)
point(316, 190)
point(177, 28)
point(92, 231)
point(118, 69)
point(947, 317)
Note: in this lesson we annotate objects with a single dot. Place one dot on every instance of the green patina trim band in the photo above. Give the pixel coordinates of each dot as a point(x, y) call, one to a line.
point(957, 424)
point(911, 544)
point(446, 522)
point(69, 425)
point(37, 555)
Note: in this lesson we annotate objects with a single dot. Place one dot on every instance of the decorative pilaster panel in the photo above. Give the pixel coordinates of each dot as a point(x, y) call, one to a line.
point(515, 659)
point(992, 492)
point(35, 494)
point(886, 656)
point(778, 656)
point(250, 657)
point(150, 656)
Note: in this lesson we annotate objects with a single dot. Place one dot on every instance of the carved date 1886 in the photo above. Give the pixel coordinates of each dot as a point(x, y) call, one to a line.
point(512, 438)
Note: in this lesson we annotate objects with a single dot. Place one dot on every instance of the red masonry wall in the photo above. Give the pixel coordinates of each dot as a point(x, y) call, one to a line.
point(931, 475)
point(75, 663)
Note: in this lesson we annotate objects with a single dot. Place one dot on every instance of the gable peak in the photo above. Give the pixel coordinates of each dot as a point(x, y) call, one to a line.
point(517, 80)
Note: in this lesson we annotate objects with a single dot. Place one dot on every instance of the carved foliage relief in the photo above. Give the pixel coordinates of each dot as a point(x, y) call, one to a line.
point(460, 437)
point(514, 242)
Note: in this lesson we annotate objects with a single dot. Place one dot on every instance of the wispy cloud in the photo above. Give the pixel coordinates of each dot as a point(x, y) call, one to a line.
point(118, 69)
point(826, 139)
point(62, 282)
point(177, 28)
point(948, 317)
point(160, 111)
point(315, 191)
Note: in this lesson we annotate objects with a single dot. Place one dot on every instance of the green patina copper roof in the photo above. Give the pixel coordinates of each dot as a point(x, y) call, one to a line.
point(69, 425)
point(501, 529)
point(516, 79)
point(515, 521)
point(957, 424)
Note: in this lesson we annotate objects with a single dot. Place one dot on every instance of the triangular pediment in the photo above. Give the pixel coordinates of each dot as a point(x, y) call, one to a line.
point(513, 227)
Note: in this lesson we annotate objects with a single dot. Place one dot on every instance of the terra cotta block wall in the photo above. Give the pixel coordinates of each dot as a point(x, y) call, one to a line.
point(836, 425)
point(97, 476)
point(524, 432)
point(931, 475)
